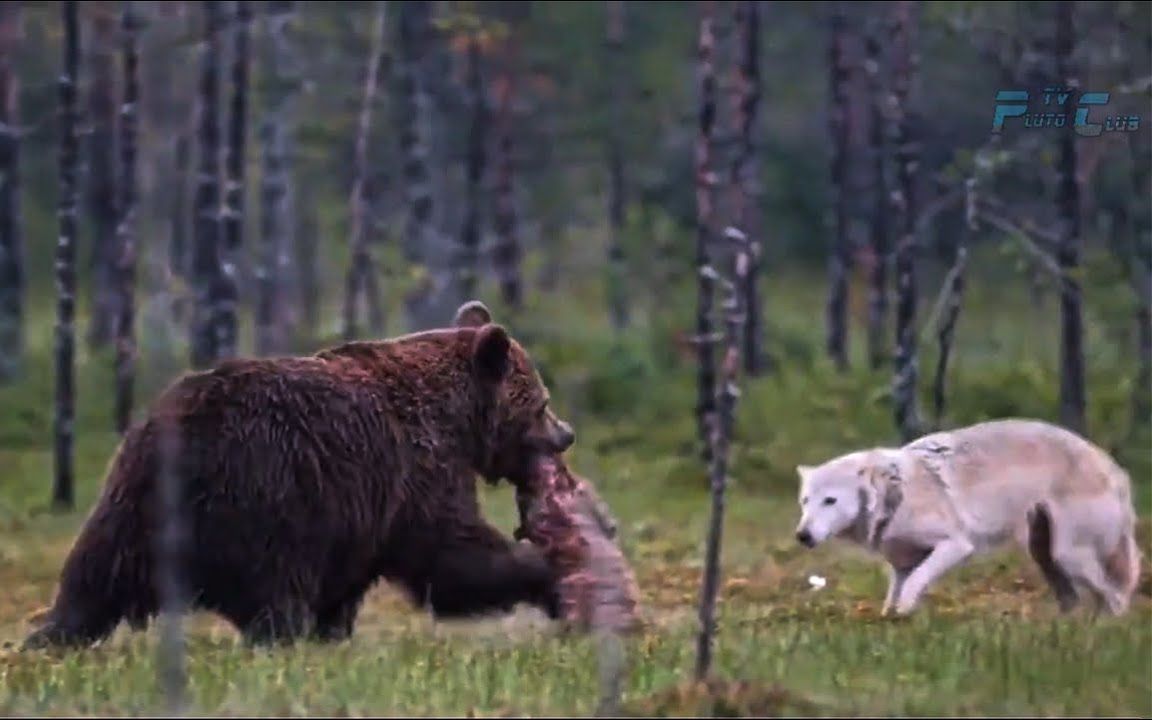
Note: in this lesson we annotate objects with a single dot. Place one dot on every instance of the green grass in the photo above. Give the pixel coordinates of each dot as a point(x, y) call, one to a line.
point(988, 640)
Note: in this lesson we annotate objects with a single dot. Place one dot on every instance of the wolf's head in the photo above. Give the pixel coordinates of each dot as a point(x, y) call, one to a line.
point(854, 494)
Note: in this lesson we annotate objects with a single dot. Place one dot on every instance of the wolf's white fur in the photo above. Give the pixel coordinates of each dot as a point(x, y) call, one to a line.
point(932, 504)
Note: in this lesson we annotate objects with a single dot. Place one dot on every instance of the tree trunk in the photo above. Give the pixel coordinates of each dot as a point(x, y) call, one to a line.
point(727, 393)
point(745, 177)
point(954, 289)
point(467, 262)
point(100, 178)
point(506, 255)
point(840, 257)
point(1141, 274)
point(1140, 256)
point(126, 228)
point(362, 267)
point(1072, 395)
point(307, 275)
point(234, 188)
point(878, 348)
point(904, 209)
point(617, 271)
point(277, 225)
point(705, 189)
point(63, 490)
point(179, 252)
point(206, 312)
point(11, 215)
point(421, 236)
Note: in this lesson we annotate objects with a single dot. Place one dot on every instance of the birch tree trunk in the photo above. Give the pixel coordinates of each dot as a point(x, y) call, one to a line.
point(727, 393)
point(904, 209)
point(840, 256)
point(100, 177)
point(277, 132)
point(12, 283)
point(63, 490)
point(705, 189)
point(234, 188)
point(1072, 393)
point(126, 228)
point(206, 258)
point(362, 267)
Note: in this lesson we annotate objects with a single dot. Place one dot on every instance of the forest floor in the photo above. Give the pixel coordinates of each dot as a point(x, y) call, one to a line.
point(987, 640)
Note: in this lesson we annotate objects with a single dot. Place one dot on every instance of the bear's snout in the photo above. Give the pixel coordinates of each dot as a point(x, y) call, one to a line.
point(565, 436)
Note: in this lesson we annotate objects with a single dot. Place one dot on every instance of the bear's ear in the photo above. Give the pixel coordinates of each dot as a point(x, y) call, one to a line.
point(472, 314)
point(491, 353)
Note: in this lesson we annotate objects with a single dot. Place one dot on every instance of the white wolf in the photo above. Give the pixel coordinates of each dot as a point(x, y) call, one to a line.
point(932, 504)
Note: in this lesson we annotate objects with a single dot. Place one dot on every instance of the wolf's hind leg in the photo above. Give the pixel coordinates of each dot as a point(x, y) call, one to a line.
point(1040, 548)
point(1082, 563)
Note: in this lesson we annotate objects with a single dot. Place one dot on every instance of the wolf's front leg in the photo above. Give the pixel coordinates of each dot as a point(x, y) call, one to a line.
point(896, 579)
point(945, 556)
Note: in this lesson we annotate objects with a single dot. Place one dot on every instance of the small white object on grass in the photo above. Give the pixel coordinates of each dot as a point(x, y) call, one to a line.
point(816, 582)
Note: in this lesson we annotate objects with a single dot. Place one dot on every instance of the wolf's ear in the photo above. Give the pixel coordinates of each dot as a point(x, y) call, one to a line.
point(804, 471)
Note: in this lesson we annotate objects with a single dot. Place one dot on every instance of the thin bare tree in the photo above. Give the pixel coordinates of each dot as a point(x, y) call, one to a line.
point(63, 487)
point(360, 279)
point(206, 273)
point(727, 391)
point(746, 99)
point(274, 259)
point(99, 177)
point(234, 188)
point(1072, 391)
point(126, 227)
point(839, 258)
point(878, 347)
point(953, 297)
point(905, 211)
point(705, 201)
point(617, 207)
point(11, 216)
point(421, 238)
point(507, 252)
point(467, 261)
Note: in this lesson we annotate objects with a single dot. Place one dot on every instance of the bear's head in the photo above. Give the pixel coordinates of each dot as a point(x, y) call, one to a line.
point(521, 424)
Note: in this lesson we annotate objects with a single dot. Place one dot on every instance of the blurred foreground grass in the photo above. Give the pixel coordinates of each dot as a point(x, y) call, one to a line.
point(987, 642)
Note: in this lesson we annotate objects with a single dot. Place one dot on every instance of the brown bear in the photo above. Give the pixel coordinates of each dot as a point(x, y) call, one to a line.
point(307, 479)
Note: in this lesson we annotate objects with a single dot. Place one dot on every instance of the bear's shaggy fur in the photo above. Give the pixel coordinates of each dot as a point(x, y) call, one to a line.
point(307, 479)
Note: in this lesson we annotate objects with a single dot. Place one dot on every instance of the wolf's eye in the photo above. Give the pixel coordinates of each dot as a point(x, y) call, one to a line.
point(829, 501)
